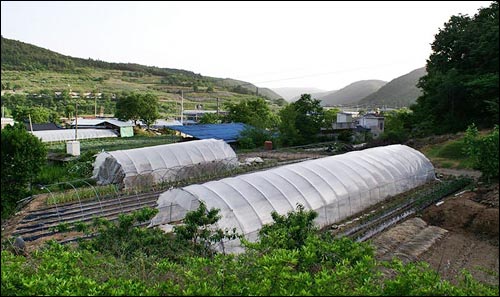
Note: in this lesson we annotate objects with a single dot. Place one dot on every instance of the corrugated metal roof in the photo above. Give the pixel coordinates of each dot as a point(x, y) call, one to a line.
point(119, 123)
point(164, 123)
point(227, 132)
point(87, 122)
point(96, 122)
point(42, 127)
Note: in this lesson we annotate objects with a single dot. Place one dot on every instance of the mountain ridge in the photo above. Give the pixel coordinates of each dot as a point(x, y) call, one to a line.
point(352, 93)
point(401, 91)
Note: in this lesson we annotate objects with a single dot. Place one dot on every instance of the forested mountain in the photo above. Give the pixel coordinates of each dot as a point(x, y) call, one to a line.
point(401, 91)
point(352, 93)
point(20, 56)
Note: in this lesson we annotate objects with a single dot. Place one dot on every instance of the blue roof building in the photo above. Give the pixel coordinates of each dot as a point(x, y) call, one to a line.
point(229, 132)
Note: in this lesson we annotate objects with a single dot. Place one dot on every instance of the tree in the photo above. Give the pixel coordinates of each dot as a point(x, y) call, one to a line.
point(255, 112)
point(23, 156)
point(289, 134)
point(330, 116)
point(211, 118)
point(461, 85)
point(301, 121)
point(127, 107)
point(136, 107)
point(397, 129)
point(38, 114)
point(148, 111)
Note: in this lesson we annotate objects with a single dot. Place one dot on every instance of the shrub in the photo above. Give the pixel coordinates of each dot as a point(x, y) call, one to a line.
point(23, 156)
point(483, 150)
point(251, 138)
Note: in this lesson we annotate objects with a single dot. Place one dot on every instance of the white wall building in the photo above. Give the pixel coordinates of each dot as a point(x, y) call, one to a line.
point(345, 120)
point(374, 123)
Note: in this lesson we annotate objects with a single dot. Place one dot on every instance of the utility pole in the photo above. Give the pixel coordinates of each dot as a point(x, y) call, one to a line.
point(31, 125)
point(76, 120)
point(217, 105)
point(95, 102)
point(182, 107)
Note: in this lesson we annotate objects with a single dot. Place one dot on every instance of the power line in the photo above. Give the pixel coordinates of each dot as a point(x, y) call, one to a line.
point(323, 73)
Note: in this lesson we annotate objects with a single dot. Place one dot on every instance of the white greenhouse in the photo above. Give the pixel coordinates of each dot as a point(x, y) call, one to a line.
point(69, 134)
point(168, 162)
point(335, 187)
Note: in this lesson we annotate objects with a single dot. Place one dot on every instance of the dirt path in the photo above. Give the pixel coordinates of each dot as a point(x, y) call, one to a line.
point(458, 172)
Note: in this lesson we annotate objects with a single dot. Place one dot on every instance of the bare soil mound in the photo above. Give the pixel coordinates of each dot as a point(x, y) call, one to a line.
point(472, 220)
point(464, 214)
point(460, 232)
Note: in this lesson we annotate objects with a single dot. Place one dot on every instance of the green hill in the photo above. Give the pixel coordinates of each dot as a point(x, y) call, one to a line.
point(29, 69)
point(401, 91)
point(352, 93)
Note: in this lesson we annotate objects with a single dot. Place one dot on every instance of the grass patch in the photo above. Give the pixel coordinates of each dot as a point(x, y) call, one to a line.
point(449, 154)
point(86, 193)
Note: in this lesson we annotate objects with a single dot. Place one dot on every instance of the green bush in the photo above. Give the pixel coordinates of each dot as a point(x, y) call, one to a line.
point(483, 150)
point(126, 262)
point(23, 156)
point(251, 138)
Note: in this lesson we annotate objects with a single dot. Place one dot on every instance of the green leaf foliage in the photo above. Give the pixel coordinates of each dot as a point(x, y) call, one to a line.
point(254, 112)
point(23, 156)
point(461, 85)
point(136, 107)
point(483, 150)
point(312, 264)
point(301, 121)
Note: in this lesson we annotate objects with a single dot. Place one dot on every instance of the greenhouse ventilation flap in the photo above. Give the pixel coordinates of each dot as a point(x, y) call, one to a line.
point(335, 187)
point(163, 163)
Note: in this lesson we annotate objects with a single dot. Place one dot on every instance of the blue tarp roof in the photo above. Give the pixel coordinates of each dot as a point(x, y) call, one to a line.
point(227, 132)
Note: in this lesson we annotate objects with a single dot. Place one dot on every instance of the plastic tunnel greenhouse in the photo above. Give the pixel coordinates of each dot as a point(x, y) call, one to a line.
point(163, 163)
point(335, 187)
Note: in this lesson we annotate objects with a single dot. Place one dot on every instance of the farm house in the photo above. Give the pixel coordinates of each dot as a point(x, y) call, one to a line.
point(335, 187)
point(169, 162)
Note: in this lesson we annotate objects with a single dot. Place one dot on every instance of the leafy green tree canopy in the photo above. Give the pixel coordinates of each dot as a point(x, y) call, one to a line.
point(461, 85)
point(301, 121)
point(39, 115)
point(211, 118)
point(253, 112)
point(136, 107)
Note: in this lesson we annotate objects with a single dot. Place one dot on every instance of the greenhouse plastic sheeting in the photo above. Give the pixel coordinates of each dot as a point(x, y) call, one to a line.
point(69, 134)
point(335, 187)
point(169, 162)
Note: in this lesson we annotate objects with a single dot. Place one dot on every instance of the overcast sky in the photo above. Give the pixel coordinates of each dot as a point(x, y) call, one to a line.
point(325, 45)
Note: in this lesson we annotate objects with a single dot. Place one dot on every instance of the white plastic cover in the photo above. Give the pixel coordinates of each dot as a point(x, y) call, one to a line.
point(69, 134)
point(168, 162)
point(335, 187)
